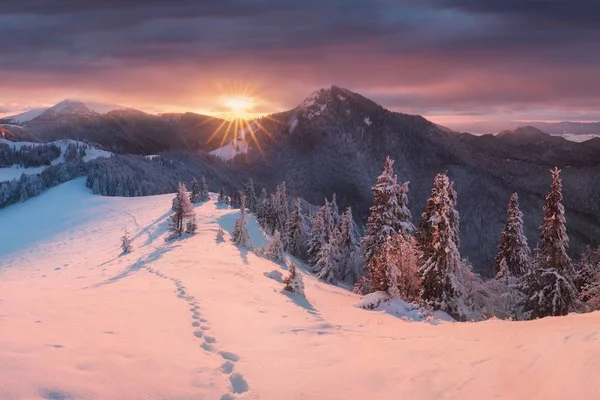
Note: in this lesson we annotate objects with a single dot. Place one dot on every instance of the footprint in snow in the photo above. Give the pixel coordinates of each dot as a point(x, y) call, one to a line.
point(229, 356)
point(238, 383)
point(227, 367)
point(196, 324)
point(206, 346)
point(198, 334)
point(210, 339)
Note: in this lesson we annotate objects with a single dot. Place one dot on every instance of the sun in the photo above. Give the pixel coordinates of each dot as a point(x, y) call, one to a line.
point(240, 106)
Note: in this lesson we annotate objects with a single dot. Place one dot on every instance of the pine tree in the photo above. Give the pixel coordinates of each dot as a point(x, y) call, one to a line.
point(295, 231)
point(220, 235)
point(261, 206)
point(241, 237)
point(222, 196)
point(251, 200)
point(587, 272)
point(126, 242)
point(183, 211)
point(334, 211)
point(328, 263)
point(280, 207)
point(275, 250)
point(549, 289)
point(424, 235)
point(318, 236)
point(191, 227)
point(350, 264)
point(236, 199)
point(438, 271)
point(389, 214)
point(327, 219)
point(513, 249)
point(293, 282)
point(203, 193)
point(195, 191)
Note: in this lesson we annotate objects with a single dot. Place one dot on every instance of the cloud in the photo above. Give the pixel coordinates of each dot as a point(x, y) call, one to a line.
point(425, 56)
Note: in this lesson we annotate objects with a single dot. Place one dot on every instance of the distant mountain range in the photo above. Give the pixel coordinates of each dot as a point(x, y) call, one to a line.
point(335, 141)
point(554, 128)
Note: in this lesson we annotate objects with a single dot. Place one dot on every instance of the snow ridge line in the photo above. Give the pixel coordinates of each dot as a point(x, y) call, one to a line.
point(201, 325)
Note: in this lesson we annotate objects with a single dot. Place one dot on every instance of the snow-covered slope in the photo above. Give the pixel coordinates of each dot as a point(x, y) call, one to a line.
point(197, 319)
point(16, 171)
point(97, 107)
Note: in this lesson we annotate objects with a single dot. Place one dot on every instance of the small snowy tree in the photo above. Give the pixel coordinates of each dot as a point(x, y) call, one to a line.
point(203, 192)
point(513, 250)
point(222, 196)
point(126, 243)
point(329, 259)
point(183, 211)
point(334, 211)
point(190, 226)
point(351, 263)
point(549, 289)
point(195, 191)
point(240, 235)
point(220, 235)
point(261, 206)
point(275, 249)
point(295, 231)
point(586, 272)
point(293, 282)
point(251, 200)
point(318, 236)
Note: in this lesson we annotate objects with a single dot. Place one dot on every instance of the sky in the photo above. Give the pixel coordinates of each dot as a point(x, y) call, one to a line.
point(456, 62)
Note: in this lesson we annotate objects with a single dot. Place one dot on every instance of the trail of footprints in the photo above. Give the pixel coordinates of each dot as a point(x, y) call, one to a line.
point(201, 327)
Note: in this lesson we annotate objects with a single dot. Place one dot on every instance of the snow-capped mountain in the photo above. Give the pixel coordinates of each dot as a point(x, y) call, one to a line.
point(335, 141)
point(65, 106)
point(115, 128)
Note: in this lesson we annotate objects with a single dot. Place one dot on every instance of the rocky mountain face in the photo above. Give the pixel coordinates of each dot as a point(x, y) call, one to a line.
point(336, 141)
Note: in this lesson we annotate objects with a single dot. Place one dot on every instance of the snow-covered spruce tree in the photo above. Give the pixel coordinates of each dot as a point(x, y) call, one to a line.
point(438, 271)
point(351, 263)
point(236, 199)
point(251, 200)
point(275, 250)
point(195, 191)
point(293, 282)
point(222, 196)
point(126, 242)
point(586, 270)
point(334, 211)
point(424, 234)
point(328, 219)
point(220, 235)
point(389, 213)
point(183, 211)
point(549, 289)
point(328, 263)
point(296, 231)
point(261, 206)
point(318, 236)
point(513, 249)
point(190, 226)
point(388, 216)
point(240, 235)
point(203, 195)
point(280, 207)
